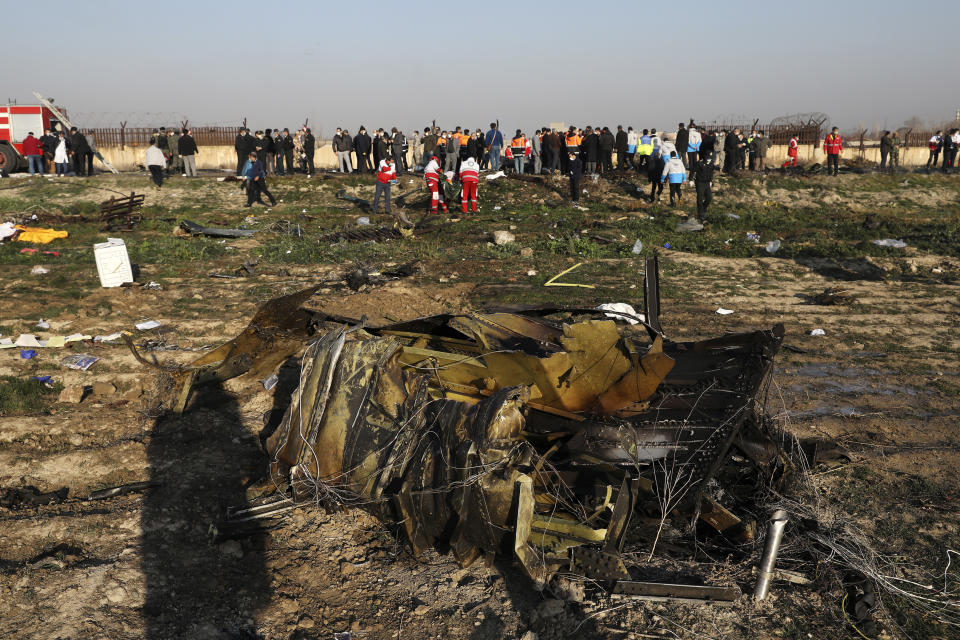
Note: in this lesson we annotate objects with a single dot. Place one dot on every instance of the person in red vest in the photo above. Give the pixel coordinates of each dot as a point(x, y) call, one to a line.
point(469, 176)
point(833, 146)
point(386, 176)
point(31, 149)
point(793, 150)
point(433, 176)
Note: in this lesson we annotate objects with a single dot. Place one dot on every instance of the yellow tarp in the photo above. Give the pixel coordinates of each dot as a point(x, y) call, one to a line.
point(39, 235)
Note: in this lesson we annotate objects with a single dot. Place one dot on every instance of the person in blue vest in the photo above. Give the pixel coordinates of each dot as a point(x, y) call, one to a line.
point(493, 142)
point(676, 174)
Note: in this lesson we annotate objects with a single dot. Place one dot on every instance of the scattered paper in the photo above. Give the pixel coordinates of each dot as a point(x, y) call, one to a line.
point(724, 312)
point(7, 229)
point(818, 332)
point(79, 361)
point(109, 338)
point(55, 342)
point(637, 247)
point(363, 221)
point(733, 216)
point(43, 324)
point(27, 340)
point(494, 176)
point(39, 271)
point(146, 326)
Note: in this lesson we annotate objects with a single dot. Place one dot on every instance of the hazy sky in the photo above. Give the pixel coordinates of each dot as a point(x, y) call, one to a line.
point(468, 63)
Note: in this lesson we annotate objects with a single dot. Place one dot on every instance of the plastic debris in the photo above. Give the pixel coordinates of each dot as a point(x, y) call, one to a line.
point(363, 221)
point(109, 338)
point(270, 381)
point(666, 245)
point(146, 326)
point(27, 354)
point(153, 286)
point(733, 216)
point(532, 272)
point(43, 324)
point(7, 229)
point(818, 332)
point(637, 247)
point(724, 312)
point(753, 237)
point(773, 246)
point(622, 311)
point(497, 208)
point(46, 381)
point(890, 242)
point(79, 361)
point(494, 176)
point(39, 271)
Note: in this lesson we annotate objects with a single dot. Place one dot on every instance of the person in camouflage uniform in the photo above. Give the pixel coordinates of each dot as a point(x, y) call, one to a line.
point(173, 142)
point(895, 143)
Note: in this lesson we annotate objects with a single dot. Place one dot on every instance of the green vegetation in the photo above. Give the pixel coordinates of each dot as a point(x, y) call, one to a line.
point(19, 396)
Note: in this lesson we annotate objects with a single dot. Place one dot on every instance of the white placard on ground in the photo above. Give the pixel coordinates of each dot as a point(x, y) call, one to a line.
point(113, 263)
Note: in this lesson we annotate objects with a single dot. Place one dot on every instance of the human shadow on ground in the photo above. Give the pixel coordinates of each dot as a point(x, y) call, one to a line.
point(203, 462)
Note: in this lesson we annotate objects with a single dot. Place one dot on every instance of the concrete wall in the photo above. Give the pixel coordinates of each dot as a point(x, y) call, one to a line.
point(225, 158)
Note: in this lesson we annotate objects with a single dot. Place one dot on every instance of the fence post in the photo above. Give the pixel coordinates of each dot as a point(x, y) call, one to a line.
point(123, 125)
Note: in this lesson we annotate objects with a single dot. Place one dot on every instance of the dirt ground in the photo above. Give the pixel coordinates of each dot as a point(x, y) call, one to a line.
point(882, 384)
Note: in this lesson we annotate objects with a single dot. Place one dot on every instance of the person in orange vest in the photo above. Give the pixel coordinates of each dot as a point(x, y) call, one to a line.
point(572, 144)
point(519, 149)
point(433, 176)
point(833, 147)
point(469, 177)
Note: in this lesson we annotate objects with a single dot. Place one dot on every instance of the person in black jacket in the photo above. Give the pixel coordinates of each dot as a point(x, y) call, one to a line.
point(187, 148)
point(286, 144)
point(607, 144)
point(361, 146)
point(269, 149)
point(730, 151)
point(681, 141)
point(79, 149)
point(48, 143)
point(655, 165)
point(309, 147)
point(703, 179)
point(623, 162)
point(590, 151)
point(575, 171)
point(379, 148)
point(238, 145)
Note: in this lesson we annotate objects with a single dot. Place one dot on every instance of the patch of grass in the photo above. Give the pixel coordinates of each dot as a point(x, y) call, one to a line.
point(19, 396)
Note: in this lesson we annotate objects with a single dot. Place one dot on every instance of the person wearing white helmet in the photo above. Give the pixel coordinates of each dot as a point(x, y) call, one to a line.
point(469, 177)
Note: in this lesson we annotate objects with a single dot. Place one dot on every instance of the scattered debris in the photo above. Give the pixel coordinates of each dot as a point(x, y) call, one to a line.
point(72, 394)
point(503, 237)
point(637, 247)
point(113, 262)
point(30, 495)
point(79, 361)
point(772, 247)
point(270, 381)
point(831, 296)
point(39, 270)
point(38, 235)
point(27, 354)
point(690, 224)
point(122, 212)
point(890, 242)
point(192, 228)
point(774, 534)
point(622, 311)
point(538, 431)
point(153, 286)
point(122, 490)
point(43, 324)
point(494, 176)
point(363, 221)
point(733, 216)
point(146, 326)
point(818, 332)
point(724, 312)
point(552, 282)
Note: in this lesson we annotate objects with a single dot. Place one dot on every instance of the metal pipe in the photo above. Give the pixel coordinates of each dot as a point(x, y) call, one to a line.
point(778, 521)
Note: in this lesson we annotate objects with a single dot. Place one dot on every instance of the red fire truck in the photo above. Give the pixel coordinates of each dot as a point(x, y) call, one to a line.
point(16, 121)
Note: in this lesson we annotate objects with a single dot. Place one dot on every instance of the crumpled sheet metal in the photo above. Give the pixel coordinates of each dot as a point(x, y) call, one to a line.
point(480, 432)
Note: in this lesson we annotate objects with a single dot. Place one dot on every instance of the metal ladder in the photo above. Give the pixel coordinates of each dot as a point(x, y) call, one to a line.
point(63, 119)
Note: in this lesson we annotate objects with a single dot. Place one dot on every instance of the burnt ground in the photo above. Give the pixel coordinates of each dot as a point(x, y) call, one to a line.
point(883, 384)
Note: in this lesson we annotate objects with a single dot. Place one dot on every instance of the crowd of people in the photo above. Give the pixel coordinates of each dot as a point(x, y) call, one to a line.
point(60, 153)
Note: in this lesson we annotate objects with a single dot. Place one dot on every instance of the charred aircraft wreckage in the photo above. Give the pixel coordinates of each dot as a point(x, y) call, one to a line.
point(534, 432)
